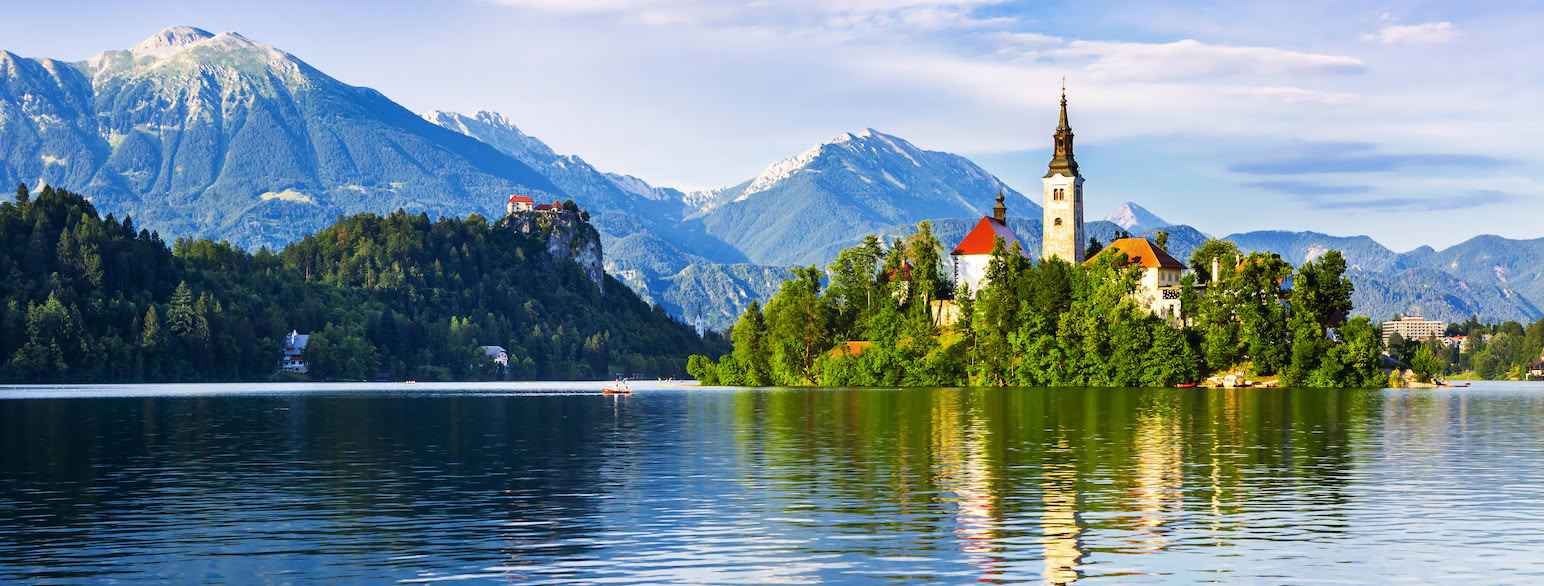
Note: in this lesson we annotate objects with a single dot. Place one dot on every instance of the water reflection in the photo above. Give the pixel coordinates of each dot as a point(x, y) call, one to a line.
point(703, 486)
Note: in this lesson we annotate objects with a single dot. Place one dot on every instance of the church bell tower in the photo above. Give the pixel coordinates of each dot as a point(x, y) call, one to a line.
point(1063, 223)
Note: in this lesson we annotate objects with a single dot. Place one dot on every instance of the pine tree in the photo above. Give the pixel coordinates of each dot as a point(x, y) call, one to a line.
point(180, 317)
point(150, 336)
point(22, 195)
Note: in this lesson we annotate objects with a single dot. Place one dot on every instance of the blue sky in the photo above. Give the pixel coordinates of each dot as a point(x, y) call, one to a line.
point(1413, 122)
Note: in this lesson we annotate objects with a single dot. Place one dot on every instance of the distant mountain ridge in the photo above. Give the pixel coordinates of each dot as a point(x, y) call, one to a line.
point(1493, 277)
point(805, 208)
point(1132, 217)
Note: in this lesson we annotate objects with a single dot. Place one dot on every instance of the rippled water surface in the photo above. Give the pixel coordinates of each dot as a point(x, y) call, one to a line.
point(538, 483)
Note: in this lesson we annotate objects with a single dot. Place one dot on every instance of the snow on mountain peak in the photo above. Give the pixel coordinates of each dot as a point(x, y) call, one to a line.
point(1130, 216)
point(495, 119)
point(170, 41)
point(782, 170)
point(868, 143)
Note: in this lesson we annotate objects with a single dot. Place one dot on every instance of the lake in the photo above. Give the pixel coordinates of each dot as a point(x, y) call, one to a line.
point(551, 482)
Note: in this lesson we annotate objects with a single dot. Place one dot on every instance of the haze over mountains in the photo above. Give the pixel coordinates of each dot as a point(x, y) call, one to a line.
point(219, 136)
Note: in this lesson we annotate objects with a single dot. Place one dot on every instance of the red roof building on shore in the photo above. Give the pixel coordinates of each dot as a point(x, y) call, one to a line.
point(1159, 288)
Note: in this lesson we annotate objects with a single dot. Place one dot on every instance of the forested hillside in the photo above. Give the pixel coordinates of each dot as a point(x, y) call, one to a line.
point(87, 298)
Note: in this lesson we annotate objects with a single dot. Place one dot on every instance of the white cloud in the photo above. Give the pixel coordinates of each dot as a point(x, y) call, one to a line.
point(1292, 95)
point(1023, 39)
point(1430, 33)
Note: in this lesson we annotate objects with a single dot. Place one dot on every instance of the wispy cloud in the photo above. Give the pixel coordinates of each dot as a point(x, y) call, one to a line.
point(1324, 196)
point(1183, 59)
point(798, 14)
point(1473, 199)
point(1342, 162)
point(1190, 58)
point(1431, 33)
point(1292, 95)
point(1307, 188)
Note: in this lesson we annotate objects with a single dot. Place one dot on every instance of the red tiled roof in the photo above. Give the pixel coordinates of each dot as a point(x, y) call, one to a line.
point(1141, 251)
point(520, 199)
point(851, 349)
point(984, 236)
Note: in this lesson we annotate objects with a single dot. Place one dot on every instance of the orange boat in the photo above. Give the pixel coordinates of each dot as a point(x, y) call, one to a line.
point(616, 391)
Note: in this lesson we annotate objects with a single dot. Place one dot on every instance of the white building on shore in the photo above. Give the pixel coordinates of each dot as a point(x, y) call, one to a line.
point(293, 357)
point(1413, 328)
point(1159, 288)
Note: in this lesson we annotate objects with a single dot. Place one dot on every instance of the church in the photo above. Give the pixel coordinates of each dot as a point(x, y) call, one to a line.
point(1062, 232)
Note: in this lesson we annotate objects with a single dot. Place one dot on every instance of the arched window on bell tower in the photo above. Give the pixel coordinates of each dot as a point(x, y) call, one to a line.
point(1058, 221)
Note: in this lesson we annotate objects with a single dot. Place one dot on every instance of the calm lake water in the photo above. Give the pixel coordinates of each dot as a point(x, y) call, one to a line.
point(553, 482)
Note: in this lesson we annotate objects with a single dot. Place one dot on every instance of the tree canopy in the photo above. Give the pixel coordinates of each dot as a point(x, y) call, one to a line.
point(880, 318)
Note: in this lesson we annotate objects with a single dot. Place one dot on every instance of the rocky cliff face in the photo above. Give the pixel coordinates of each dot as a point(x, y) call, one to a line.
point(568, 237)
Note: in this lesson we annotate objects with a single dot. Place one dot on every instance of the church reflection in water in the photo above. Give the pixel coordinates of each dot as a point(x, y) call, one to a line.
point(1059, 522)
point(1046, 484)
point(1022, 487)
point(969, 466)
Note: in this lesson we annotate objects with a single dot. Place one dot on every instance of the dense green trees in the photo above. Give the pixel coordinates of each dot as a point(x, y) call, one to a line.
point(86, 298)
point(1052, 323)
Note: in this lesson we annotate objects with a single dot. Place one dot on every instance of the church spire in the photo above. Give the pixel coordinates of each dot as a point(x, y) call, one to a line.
point(1063, 127)
point(1061, 159)
point(1000, 211)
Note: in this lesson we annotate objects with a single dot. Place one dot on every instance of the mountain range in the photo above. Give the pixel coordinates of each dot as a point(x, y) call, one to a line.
point(215, 135)
point(206, 135)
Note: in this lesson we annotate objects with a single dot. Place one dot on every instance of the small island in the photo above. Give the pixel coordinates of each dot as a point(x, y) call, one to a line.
point(1123, 315)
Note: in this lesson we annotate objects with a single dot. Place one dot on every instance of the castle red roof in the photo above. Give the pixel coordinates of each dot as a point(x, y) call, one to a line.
point(984, 236)
point(520, 199)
